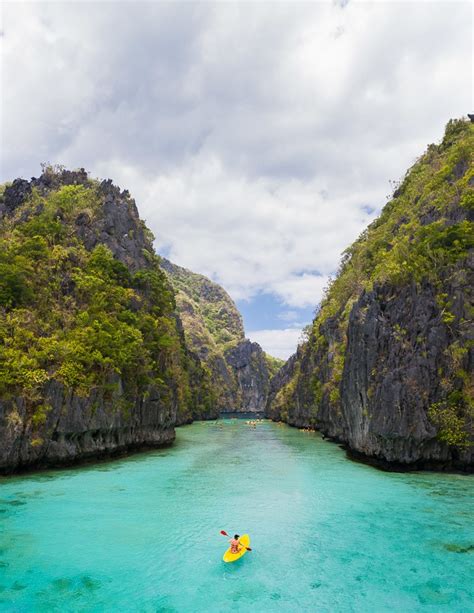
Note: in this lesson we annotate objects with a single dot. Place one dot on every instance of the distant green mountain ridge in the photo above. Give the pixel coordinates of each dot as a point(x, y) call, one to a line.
point(213, 328)
point(208, 305)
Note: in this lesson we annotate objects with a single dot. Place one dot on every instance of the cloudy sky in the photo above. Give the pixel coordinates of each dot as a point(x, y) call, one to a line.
point(258, 139)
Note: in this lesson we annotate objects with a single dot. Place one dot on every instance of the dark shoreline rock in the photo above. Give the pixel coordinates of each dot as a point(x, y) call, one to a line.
point(93, 459)
point(77, 428)
point(380, 463)
point(400, 467)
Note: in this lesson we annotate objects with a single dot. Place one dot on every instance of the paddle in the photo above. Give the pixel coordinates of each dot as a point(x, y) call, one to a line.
point(224, 533)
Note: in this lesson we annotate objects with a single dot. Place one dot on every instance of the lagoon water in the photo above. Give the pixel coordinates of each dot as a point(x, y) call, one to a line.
point(328, 534)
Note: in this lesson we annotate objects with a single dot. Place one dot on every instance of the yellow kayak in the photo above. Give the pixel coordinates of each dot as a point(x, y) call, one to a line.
point(232, 557)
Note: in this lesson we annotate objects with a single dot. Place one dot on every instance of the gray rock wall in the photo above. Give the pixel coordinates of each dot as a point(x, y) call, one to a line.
point(251, 378)
point(397, 360)
point(78, 428)
point(400, 358)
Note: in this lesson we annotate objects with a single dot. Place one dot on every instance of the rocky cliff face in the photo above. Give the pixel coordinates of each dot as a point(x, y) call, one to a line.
point(92, 352)
point(240, 371)
point(77, 427)
point(207, 306)
point(114, 223)
point(388, 366)
point(251, 375)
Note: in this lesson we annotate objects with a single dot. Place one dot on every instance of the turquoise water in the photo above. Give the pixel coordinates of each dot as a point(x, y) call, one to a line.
point(142, 534)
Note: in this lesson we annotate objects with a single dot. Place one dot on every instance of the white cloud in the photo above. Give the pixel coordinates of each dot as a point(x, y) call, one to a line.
point(290, 316)
point(305, 290)
point(278, 343)
point(252, 135)
point(250, 236)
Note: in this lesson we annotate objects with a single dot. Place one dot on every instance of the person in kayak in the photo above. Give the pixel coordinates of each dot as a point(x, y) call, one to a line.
point(234, 544)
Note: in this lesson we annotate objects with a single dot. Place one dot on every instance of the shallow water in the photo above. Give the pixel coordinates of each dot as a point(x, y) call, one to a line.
point(142, 534)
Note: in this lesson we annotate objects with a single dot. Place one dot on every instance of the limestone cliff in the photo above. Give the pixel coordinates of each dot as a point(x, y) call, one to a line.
point(92, 352)
point(388, 366)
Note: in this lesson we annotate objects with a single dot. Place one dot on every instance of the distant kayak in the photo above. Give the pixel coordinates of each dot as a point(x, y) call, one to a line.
point(232, 557)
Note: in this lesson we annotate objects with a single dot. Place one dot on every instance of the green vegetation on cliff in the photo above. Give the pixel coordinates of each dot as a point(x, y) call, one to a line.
point(79, 316)
point(213, 328)
point(207, 310)
point(273, 364)
point(416, 237)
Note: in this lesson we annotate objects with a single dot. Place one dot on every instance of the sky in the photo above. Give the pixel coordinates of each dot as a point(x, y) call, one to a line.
point(257, 138)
